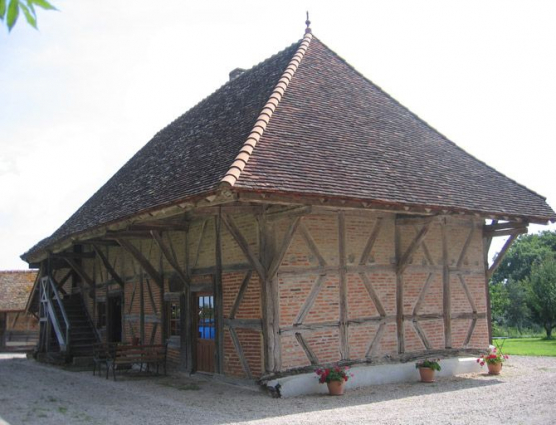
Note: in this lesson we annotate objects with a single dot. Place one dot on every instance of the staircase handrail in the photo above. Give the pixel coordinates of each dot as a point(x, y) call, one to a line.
point(64, 342)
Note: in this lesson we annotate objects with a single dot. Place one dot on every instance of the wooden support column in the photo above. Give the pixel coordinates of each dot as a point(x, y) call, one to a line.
point(186, 319)
point(142, 303)
point(163, 309)
point(266, 253)
point(399, 290)
point(344, 333)
point(446, 289)
point(218, 298)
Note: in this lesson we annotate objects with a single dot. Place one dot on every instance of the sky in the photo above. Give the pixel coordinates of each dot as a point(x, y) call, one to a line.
point(99, 78)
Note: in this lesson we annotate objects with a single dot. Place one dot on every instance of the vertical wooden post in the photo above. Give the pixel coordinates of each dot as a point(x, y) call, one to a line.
point(218, 298)
point(270, 301)
point(141, 301)
point(399, 290)
point(344, 336)
point(163, 309)
point(186, 318)
point(486, 248)
point(264, 258)
point(446, 289)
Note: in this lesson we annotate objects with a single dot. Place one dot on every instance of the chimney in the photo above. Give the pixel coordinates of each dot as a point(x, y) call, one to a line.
point(236, 73)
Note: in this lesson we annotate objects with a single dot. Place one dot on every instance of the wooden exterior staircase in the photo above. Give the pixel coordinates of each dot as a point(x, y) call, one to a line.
point(66, 327)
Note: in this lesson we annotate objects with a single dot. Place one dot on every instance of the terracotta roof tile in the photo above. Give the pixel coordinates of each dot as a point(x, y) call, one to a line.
point(188, 157)
point(337, 134)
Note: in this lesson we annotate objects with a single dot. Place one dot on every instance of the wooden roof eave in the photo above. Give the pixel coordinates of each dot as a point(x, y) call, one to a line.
point(289, 198)
point(212, 198)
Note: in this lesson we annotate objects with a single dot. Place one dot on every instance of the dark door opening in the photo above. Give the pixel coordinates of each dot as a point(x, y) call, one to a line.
point(205, 332)
point(114, 326)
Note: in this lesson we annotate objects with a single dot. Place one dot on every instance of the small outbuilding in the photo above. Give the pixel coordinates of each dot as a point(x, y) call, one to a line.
point(18, 329)
point(297, 216)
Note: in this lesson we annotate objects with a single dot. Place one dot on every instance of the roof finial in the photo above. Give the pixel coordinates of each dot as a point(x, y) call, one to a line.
point(308, 23)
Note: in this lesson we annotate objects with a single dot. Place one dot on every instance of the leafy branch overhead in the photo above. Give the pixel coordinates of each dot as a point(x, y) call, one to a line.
point(11, 9)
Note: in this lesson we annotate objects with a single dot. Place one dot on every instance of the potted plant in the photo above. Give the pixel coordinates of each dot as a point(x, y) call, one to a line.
point(494, 360)
point(427, 368)
point(335, 378)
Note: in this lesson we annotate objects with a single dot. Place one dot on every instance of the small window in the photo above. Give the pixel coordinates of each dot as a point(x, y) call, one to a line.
point(174, 315)
point(206, 317)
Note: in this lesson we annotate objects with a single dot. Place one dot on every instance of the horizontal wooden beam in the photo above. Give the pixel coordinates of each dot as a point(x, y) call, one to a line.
point(99, 242)
point(255, 324)
point(286, 212)
point(162, 227)
point(74, 255)
point(128, 234)
point(504, 226)
point(507, 232)
point(413, 221)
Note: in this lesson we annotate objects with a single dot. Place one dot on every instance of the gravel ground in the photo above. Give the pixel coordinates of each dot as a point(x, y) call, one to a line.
point(33, 393)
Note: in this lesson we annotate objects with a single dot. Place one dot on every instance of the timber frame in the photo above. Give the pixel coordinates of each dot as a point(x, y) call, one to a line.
point(140, 259)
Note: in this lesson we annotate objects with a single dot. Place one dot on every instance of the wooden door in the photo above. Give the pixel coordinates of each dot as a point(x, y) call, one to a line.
point(205, 332)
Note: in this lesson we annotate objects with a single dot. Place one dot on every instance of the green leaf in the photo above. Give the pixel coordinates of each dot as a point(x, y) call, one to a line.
point(2, 9)
point(13, 13)
point(29, 16)
point(42, 3)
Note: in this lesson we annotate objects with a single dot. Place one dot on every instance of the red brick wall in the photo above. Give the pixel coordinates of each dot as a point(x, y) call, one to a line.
point(326, 308)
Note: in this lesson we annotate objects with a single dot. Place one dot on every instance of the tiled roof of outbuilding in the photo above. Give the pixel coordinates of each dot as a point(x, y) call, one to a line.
point(333, 133)
point(15, 286)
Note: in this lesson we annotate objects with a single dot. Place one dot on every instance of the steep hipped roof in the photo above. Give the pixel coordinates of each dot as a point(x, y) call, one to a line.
point(15, 286)
point(335, 133)
point(304, 122)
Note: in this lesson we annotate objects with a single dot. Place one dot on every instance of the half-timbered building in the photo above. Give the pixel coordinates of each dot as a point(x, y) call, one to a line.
point(297, 216)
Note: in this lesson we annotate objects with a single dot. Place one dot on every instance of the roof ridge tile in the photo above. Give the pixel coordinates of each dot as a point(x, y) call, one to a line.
point(266, 114)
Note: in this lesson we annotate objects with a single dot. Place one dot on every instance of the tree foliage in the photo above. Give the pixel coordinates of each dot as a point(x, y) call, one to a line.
point(512, 302)
point(525, 251)
point(542, 293)
point(11, 9)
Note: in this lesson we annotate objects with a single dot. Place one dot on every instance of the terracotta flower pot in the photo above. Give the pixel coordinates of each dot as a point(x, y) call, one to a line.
point(427, 374)
point(494, 368)
point(336, 387)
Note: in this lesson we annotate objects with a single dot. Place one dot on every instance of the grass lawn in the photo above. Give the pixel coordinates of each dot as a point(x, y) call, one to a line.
point(528, 346)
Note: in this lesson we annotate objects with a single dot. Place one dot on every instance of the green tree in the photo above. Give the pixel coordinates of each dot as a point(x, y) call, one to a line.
point(542, 293)
point(508, 286)
point(499, 302)
point(10, 10)
point(525, 251)
point(517, 310)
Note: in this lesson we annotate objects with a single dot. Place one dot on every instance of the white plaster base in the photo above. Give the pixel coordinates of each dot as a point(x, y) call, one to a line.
point(366, 375)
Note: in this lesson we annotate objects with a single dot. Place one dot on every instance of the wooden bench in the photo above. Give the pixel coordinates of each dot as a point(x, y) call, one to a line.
point(101, 356)
point(120, 356)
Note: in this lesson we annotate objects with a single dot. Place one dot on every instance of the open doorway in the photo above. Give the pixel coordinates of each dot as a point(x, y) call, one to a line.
point(114, 316)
